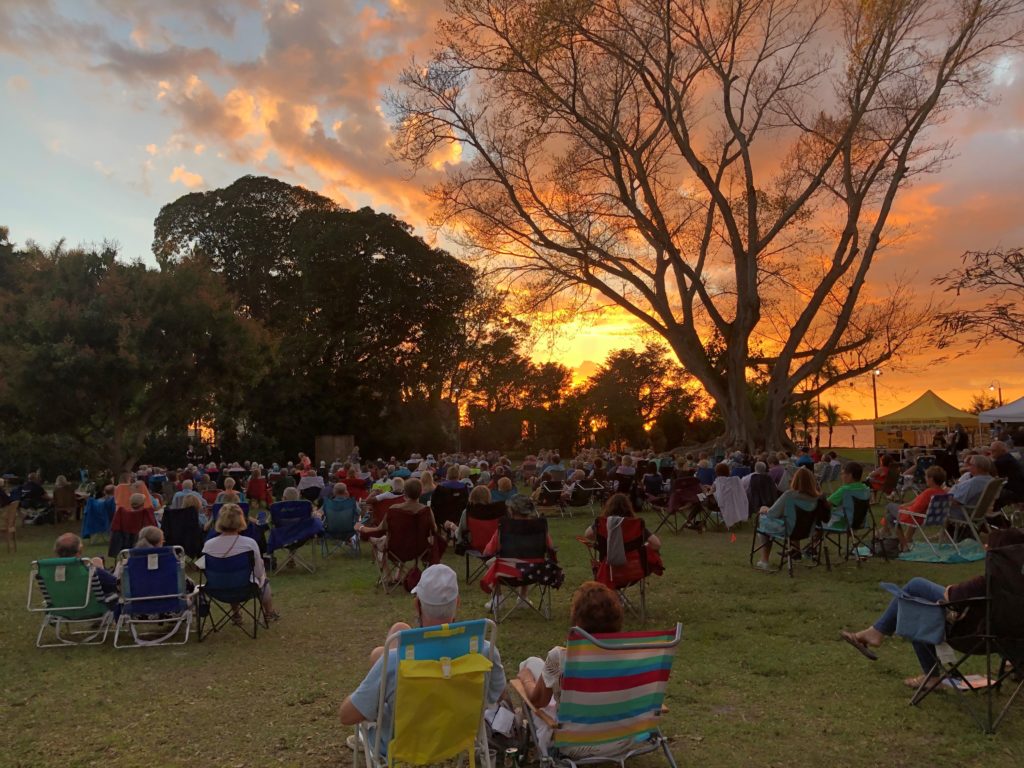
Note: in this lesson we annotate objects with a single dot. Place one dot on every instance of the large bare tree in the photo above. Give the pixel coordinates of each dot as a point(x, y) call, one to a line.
point(723, 170)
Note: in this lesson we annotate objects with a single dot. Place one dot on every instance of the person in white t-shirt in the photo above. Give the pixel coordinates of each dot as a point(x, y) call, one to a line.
point(230, 524)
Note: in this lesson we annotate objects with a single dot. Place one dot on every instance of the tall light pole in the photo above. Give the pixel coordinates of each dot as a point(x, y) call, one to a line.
point(996, 386)
point(874, 388)
point(458, 423)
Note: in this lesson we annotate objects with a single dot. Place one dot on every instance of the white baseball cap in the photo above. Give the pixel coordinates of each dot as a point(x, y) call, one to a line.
point(438, 586)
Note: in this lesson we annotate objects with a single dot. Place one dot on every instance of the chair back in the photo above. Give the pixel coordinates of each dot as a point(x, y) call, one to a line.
point(921, 466)
point(761, 492)
point(550, 493)
point(988, 498)
point(1004, 579)
point(482, 521)
point(705, 475)
point(181, 529)
point(667, 472)
point(634, 547)
point(740, 471)
point(152, 580)
point(210, 497)
point(800, 518)
point(215, 511)
point(892, 478)
point(654, 485)
point(686, 490)
point(613, 686)
point(70, 588)
point(449, 503)
point(284, 514)
point(409, 533)
point(938, 509)
point(523, 539)
point(557, 475)
point(340, 517)
point(97, 516)
point(439, 690)
point(131, 521)
point(310, 493)
point(625, 483)
point(856, 507)
point(229, 579)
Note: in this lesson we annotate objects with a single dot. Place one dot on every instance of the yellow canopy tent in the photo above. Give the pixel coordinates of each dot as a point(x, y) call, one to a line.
point(918, 422)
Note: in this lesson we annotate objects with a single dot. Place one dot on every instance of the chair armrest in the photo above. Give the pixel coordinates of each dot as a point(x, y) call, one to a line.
point(517, 685)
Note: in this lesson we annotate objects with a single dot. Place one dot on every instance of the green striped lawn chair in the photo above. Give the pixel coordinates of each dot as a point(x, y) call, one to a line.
point(612, 690)
point(71, 601)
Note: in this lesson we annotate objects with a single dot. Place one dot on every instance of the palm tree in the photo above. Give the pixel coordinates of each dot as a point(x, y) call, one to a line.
point(832, 416)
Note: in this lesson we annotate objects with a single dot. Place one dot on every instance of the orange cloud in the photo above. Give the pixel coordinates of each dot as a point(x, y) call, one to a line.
point(186, 177)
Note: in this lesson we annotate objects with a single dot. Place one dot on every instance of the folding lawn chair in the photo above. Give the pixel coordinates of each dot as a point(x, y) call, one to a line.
point(706, 476)
point(292, 525)
point(182, 529)
point(227, 583)
point(210, 497)
point(631, 570)
point(440, 690)
point(582, 497)
point(549, 500)
point(972, 518)
point(71, 601)
point(624, 483)
point(684, 497)
point(934, 517)
point(798, 523)
point(153, 596)
point(1000, 634)
point(448, 504)
point(888, 489)
point(481, 523)
point(340, 517)
point(612, 692)
point(407, 545)
point(524, 541)
point(852, 531)
point(761, 492)
point(96, 518)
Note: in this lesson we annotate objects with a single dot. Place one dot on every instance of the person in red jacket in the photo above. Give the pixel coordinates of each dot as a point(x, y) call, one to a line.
point(914, 512)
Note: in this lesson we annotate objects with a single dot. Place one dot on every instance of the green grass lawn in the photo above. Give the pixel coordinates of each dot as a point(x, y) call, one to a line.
point(759, 680)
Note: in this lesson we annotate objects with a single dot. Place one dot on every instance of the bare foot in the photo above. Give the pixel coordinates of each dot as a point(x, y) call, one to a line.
point(870, 636)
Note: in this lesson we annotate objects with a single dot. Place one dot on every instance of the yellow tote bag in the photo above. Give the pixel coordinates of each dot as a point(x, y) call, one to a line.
point(437, 708)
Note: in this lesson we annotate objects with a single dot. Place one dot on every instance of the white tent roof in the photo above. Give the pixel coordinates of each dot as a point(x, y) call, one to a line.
point(1010, 412)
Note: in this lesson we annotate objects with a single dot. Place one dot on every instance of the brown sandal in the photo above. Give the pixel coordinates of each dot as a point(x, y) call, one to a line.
point(859, 644)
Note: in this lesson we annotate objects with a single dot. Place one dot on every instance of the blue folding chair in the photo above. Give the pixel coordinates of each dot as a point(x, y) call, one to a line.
point(340, 517)
point(154, 597)
point(427, 729)
point(96, 518)
point(292, 525)
point(228, 586)
point(706, 475)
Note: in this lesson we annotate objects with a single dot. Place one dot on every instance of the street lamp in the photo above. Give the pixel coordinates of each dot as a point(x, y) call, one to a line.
point(874, 388)
point(996, 386)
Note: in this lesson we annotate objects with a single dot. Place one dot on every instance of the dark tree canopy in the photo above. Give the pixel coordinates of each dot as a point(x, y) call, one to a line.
point(370, 319)
point(107, 352)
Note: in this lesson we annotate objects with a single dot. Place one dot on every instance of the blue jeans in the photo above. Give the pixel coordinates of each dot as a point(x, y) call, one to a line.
point(886, 624)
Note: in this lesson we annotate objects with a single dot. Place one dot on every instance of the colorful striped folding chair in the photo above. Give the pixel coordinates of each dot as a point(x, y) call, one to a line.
point(438, 708)
point(612, 692)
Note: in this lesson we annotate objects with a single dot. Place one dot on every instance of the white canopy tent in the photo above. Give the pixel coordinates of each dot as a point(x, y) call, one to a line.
point(1009, 413)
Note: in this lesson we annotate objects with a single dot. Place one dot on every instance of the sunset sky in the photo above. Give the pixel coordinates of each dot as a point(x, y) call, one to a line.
point(112, 108)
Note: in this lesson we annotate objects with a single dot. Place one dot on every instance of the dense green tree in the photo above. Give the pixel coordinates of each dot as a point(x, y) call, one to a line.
point(622, 400)
point(376, 327)
point(107, 353)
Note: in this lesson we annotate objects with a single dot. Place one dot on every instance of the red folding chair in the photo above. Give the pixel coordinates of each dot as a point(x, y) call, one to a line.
point(625, 575)
point(408, 544)
point(481, 523)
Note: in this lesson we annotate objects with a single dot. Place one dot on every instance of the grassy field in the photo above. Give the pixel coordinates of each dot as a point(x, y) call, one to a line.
point(760, 679)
